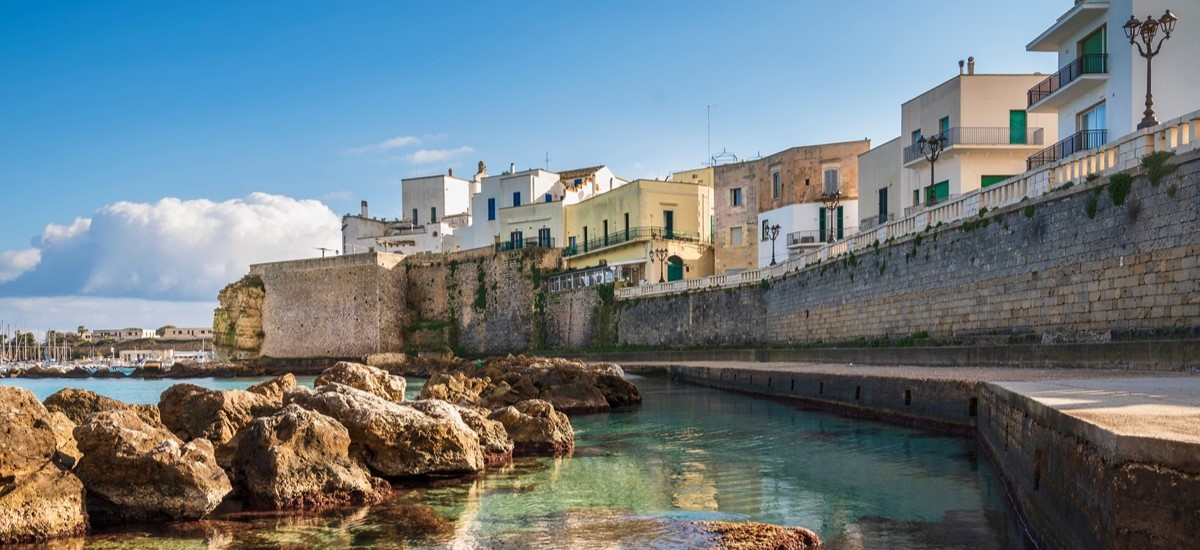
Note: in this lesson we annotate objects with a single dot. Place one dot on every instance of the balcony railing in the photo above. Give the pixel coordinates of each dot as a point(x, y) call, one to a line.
point(967, 135)
point(631, 234)
point(524, 243)
point(1082, 141)
point(815, 237)
point(1085, 64)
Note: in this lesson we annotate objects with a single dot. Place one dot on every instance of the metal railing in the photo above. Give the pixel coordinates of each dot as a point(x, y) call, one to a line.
point(627, 235)
point(524, 243)
point(971, 135)
point(1181, 135)
point(1080, 141)
point(1085, 64)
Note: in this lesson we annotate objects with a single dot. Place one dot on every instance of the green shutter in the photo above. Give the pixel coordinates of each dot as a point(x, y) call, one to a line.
point(840, 233)
point(823, 233)
point(988, 181)
point(1017, 127)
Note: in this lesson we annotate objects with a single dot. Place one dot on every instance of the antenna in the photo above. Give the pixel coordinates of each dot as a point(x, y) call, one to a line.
point(323, 250)
point(547, 161)
point(708, 108)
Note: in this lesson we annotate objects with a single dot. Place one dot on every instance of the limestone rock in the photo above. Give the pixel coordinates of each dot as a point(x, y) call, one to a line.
point(138, 472)
point(455, 387)
point(297, 459)
point(573, 387)
point(535, 428)
point(193, 412)
point(754, 536)
point(493, 439)
point(275, 388)
point(388, 361)
point(394, 440)
point(368, 379)
point(237, 323)
point(77, 404)
point(38, 499)
point(66, 451)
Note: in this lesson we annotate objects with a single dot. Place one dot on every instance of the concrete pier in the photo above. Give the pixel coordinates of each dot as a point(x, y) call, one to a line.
point(1092, 458)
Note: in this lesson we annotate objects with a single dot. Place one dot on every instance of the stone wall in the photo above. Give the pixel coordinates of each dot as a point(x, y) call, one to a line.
point(570, 320)
point(1044, 268)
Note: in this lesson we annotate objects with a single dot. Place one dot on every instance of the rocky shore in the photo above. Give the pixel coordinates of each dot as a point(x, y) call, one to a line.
point(82, 460)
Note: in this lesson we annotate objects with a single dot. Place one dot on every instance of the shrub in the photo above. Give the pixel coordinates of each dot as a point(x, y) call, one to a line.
point(1119, 186)
point(764, 284)
point(1030, 211)
point(1172, 190)
point(1156, 166)
point(1091, 208)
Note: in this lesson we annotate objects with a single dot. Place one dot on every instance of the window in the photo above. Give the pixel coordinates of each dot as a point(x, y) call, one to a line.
point(944, 125)
point(571, 242)
point(627, 226)
point(776, 185)
point(491, 209)
point(735, 236)
point(517, 198)
point(415, 222)
point(916, 136)
point(806, 182)
point(766, 231)
point(515, 239)
point(432, 214)
point(735, 196)
point(669, 222)
point(831, 180)
point(988, 181)
point(1094, 119)
point(937, 192)
point(544, 237)
point(883, 205)
point(605, 232)
point(1018, 127)
point(549, 197)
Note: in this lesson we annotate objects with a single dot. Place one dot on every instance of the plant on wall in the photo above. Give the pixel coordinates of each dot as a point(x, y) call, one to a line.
point(1156, 166)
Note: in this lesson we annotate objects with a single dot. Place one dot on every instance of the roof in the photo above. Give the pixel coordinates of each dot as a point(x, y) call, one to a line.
point(579, 172)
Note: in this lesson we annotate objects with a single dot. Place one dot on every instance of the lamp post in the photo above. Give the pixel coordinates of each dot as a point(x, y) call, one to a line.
point(931, 147)
point(830, 199)
point(1146, 31)
point(774, 234)
point(660, 255)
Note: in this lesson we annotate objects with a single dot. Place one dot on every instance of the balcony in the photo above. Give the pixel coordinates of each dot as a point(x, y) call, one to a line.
point(973, 136)
point(628, 235)
point(1082, 141)
point(1083, 73)
point(526, 243)
point(814, 238)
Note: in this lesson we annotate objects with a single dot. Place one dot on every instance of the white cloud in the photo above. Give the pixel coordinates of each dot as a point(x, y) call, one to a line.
point(67, 312)
point(338, 196)
point(387, 144)
point(15, 262)
point(173, 249)
point(424, 156)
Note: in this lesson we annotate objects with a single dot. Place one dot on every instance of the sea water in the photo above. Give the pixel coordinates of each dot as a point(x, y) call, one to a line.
point(638, 478)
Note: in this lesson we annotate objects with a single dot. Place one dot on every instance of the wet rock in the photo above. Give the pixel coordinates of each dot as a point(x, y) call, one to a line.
point(573, 387)
point(369, 379)
point(38, 499)
point(138, 472)
point(299, 459)
point(535, 428)
point(66, 452)
point(493, 439)
point(193, 412)
point(275, 388)
point(394, 440)
point(757, 536)
point(78, 404)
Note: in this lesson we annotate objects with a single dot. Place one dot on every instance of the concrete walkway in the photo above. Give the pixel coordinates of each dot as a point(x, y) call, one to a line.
point(1156, 405)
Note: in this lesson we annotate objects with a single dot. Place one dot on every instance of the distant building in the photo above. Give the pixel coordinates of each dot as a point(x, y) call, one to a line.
point(124, 334)
point(541, 221)
point(437, 207)
point(197, 356)
point(140, 355)
point(198, 333)
point(699, 176)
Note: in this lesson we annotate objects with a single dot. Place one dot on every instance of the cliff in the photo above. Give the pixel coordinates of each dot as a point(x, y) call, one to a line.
point(237, 323)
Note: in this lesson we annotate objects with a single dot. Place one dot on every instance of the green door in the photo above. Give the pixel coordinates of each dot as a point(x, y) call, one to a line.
point(1091, 52)
point(840, 233)
point(937, 193)
point(1018, 127)
point(823, 233)
point(674, 271)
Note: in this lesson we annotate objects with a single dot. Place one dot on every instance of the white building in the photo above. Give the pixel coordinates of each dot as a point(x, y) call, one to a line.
point(195, 333)
point(1099, 93)
point(801, 227)
point(542, 222)
point(428, 199)
point(987, 135)
point(124, 334)
point(879, 184)
point(140, 355)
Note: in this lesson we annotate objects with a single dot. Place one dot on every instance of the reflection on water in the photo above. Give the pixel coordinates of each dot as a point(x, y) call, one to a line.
point(639, 476)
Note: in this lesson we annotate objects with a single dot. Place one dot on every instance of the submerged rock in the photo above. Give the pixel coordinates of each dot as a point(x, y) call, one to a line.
point(757, 536)
point(573, 387)
point(369, 379)
point(395, 440)
point(78, 404)
point(298, 459)
point(138, 472)
point(275, 388)
point(193, 412)
point(535, 428)
point(38, 499)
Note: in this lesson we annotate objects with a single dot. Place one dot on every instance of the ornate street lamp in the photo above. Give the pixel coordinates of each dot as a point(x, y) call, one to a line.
point(1146, 30)
point(932, 149)
point(660, 255)
point(774, 234)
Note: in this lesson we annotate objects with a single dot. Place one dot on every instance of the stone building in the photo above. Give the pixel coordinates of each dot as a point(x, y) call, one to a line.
point(788, 184)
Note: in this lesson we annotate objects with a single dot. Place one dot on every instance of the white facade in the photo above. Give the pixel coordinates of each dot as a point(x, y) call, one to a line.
point(139, 355)
point(499, 192)
point(428, 199)
point(800, 228)
point(195, 333)
point(124, 334)
point(1107, 90)
point(879, 184)
point(988, 132)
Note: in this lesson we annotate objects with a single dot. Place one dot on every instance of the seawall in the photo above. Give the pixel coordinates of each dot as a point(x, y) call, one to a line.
point(1081, 475)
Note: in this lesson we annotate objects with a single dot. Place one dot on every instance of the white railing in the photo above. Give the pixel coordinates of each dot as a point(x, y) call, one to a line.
point(1180, 135)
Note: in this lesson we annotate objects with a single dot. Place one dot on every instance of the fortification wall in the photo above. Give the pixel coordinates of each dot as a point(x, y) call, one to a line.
point(1071, 266)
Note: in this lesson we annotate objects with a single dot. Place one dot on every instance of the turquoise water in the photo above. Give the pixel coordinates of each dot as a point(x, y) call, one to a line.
point(638, 476)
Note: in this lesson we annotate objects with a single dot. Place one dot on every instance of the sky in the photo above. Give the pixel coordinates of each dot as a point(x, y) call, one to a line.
point(150, 151)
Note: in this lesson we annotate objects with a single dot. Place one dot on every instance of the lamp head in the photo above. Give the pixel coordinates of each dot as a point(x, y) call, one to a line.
point(1167, 22)
point(1149, 29)
point(1131, 28)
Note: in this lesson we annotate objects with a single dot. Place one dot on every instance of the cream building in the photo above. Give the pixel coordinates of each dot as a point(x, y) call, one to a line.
point(620, 228)
point(1099, 93)
point(698, 176)
point(193, 333)
point(879, 185)
point(986, 133)
point(540, 222)
point(124, 334)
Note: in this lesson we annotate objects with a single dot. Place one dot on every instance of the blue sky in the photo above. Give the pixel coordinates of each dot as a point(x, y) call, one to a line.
point(103, 102)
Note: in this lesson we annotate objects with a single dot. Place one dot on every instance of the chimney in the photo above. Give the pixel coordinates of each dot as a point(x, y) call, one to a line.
point(960, 67)
point(971, 65)
point(450, 172)
point(364, 209)
point(512, 168)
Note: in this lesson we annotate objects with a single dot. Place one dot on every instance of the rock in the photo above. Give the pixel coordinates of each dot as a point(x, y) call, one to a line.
point(572, 390)
point(79, 404)
point(388, 361)
point(362, 377)
point(757, 536)
point(394, 440)
point(493, 439)
point(617, 391)
point(138, 472)
point(455, 387)
point(237, 322)
point(275, 388)
point(66, 452)
point(299, 459)
point(535, 428)
point(38, 499)
point(193, 412)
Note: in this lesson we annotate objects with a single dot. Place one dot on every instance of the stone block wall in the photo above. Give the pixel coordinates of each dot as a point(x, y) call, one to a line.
point(570, 320)
point(1045, 266)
